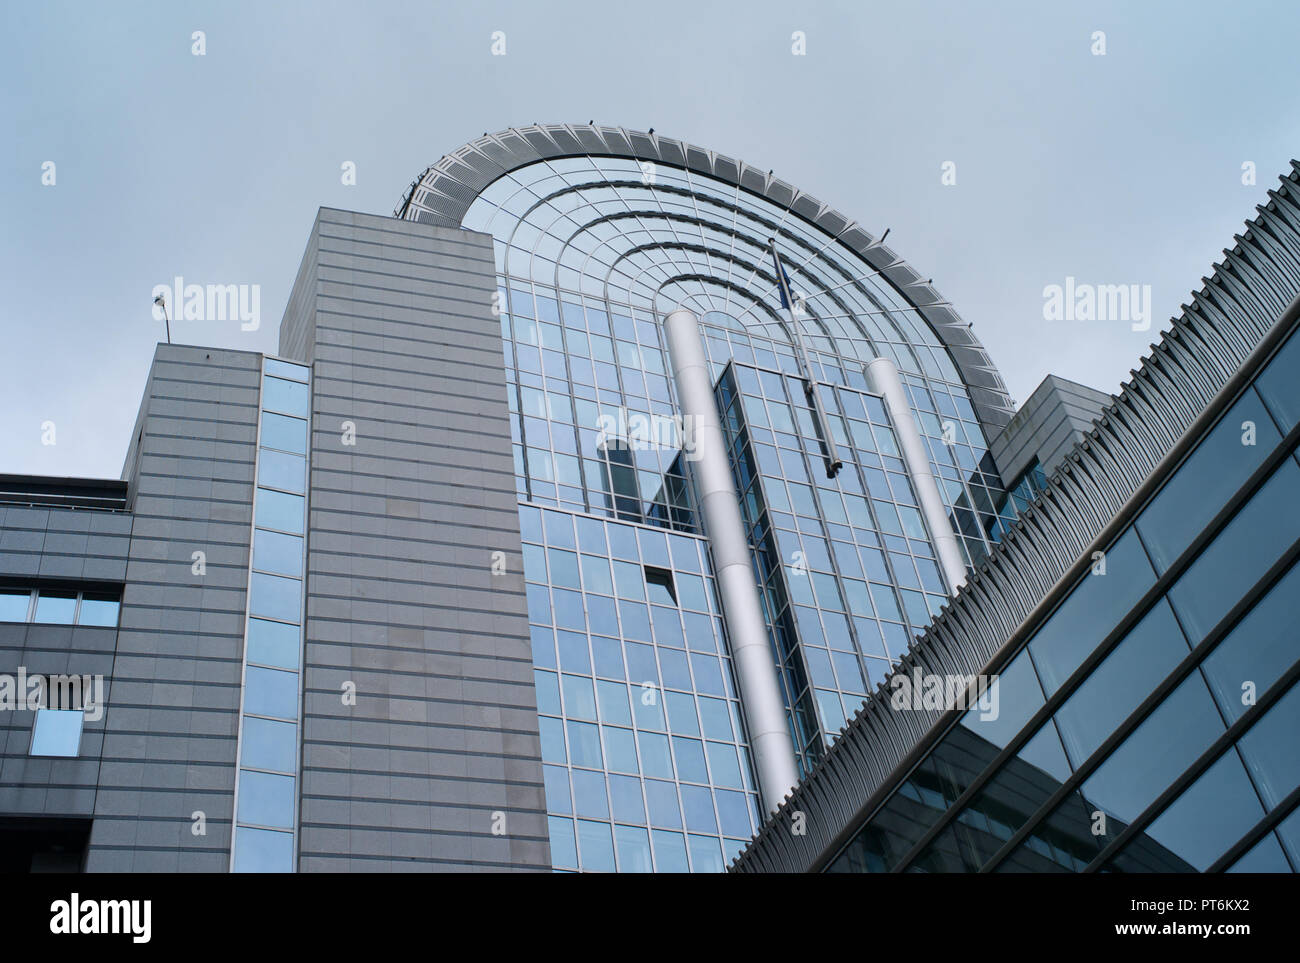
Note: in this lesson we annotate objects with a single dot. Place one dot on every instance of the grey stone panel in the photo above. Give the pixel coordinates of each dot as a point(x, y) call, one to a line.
point(401, 599)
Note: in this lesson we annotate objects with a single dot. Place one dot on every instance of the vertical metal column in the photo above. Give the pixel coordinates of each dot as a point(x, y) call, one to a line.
point(751, 653)
point(882, 378)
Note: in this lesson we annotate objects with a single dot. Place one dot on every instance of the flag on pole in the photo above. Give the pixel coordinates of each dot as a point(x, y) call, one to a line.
point(782, 279)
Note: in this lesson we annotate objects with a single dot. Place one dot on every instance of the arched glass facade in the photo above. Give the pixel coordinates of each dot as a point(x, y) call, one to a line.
point(643, 734)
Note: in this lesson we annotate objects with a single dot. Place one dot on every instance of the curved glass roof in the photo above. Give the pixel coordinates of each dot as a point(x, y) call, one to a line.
point(652, 230)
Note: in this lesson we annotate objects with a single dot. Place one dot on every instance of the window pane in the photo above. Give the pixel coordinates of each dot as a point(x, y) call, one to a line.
point(275, 597)
point(1199, 826)
point(1119, 684)
point(1154, 754)
point(633, 849)
point(266, 799)
point(1256, 653)
point(1279, 386)
point(564, 849)
point(1093, 609)
point(285, 369)
point(278, 469)
point(98, 610)
point(13, 606)
point(670, 852)
point(273, 552)
point(274, 643)
point(1263, 529)
point(290, 397)
point(285, 433)
point(278, 510)
point(57, 732)
point(1272, 751)
point(1206, 480)
point(269, 745)
point(596, 846)
point(269, 692)
point(263, 851)
point(55, 608)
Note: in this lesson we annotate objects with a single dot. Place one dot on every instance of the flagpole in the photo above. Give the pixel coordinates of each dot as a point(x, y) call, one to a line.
point(830, 452)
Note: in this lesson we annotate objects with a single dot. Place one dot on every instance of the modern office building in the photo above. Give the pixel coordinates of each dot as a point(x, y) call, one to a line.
point(566, 530)
point(1135, 630)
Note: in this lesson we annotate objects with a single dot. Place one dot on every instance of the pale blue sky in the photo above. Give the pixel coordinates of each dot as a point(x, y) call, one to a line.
point(1115, 170)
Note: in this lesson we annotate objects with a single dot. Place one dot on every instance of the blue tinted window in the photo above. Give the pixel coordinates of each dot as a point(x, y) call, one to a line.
point(290, 397)
point(564, 849)
point(266, 799)
point(573, 652)
point(706, 854)
point(733, 814)
point(661, 797)
point(285, 369)
point(697, 803)
point(57, 732)
point(589, 794)
point(613, 703)
point(269, 692)
point(1119, 684)
point(274, 597)
point(278, 469)
point(1255, 654)
point(559, 529)
point(1092, 610)
point(670, 852)
point(274, 643)
point(584, 744)
point(552, 736)
point(274, 552)
point(263, 851)
point(284, 433)
point(633, 849)
point(281, 511)
point(14, 605)
point(1265, 856)
point(620, 749)
point(655, 759)
point(55, 608)
point(1210, 815)
point(1015, 694)
point(596, 846)
point(1241, 553)
point(1278, 385)
point(625, 799)
point(689, 754)
point(269, 744)
point(556, 779)
point(1157, 752)
point(98, 610)
point(579, 699)
point(548, 692)
point(1206, 480)
point(1272, 750)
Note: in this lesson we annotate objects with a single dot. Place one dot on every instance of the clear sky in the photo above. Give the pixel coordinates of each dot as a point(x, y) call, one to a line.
point(1117, 169)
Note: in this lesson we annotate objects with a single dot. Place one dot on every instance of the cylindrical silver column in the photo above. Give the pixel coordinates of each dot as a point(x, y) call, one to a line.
point(882, 378)
point(751, 653)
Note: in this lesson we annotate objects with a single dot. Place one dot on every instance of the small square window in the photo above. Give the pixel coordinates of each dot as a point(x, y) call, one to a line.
point(14, 604)
point(659, 585)
point(56, 608)
point(57, 732)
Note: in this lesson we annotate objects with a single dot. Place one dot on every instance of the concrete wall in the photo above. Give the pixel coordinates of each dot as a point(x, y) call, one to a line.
point(401, 599)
